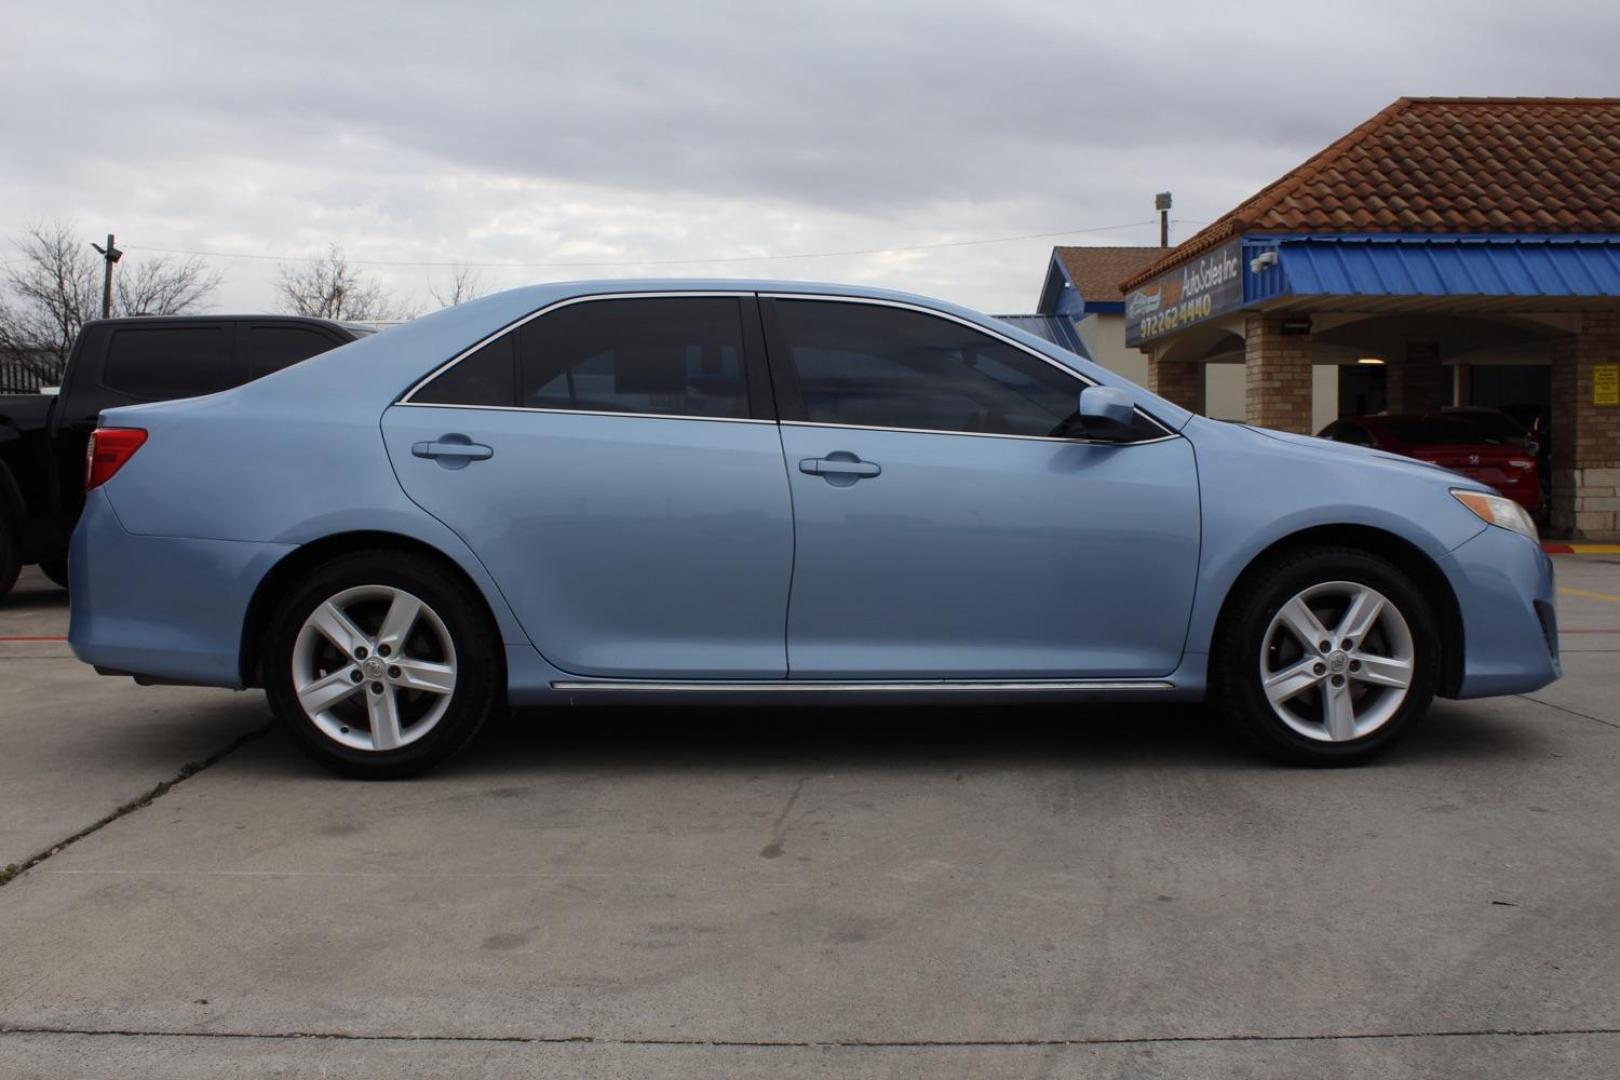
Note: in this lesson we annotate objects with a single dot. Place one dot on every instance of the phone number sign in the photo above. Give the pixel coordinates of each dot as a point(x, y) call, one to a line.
point(1208, 286)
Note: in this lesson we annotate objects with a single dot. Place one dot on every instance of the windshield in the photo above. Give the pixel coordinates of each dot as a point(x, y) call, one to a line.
point(1495, 423)
point(1436, 431)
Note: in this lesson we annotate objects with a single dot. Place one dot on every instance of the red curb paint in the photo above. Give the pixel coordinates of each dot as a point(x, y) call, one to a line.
point(5, 639)
point(1557, 549)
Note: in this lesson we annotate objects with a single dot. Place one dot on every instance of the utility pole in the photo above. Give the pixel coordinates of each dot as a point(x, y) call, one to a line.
point(109, 255)
point(1161, 203)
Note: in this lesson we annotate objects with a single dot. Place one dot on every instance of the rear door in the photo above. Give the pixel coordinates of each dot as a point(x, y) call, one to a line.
point(615, 464)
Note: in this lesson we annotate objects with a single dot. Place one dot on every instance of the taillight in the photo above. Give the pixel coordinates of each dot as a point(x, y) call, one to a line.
point(109, 448)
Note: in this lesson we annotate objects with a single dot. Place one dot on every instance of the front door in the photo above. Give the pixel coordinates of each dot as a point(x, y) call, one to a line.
point(609, 465)
point(948, 528)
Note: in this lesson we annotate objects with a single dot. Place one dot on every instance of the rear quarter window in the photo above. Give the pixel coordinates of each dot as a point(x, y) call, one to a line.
point(271, 347)
point(157, 363)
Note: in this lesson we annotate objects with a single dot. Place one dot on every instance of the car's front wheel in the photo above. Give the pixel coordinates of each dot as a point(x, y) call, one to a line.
point(379, 665)
point(1328, 657)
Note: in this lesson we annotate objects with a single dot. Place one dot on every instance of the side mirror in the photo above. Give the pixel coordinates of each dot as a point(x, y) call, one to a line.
point(1106, 412)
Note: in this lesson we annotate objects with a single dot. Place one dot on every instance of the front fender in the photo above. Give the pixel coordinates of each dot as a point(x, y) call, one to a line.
point(1257, 492)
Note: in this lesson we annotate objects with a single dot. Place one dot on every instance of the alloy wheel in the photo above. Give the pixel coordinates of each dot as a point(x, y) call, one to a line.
point(374, 668)
point(1336, 662)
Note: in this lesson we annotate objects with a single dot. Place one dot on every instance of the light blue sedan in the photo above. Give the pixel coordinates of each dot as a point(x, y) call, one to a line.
point(721, 491)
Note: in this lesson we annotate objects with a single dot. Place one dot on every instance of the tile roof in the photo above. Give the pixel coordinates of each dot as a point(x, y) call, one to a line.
point(1444, 165)
point(1097, 271)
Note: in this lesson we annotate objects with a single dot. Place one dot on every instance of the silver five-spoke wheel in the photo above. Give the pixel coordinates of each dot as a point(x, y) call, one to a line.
point(374, 668)
point(1336, 662)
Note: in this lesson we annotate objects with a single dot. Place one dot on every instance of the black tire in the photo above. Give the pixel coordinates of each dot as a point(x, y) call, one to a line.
point(9, 566)
point(1247, 642)
point(56, 570)
point(480, 676)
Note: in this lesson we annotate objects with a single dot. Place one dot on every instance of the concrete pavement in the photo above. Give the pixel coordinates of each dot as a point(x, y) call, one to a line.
point(823, 892)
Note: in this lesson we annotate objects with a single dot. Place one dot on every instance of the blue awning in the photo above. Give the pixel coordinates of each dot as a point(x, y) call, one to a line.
point(1431, 266)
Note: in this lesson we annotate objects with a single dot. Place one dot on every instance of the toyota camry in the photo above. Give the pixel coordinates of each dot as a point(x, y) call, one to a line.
point(706, 492)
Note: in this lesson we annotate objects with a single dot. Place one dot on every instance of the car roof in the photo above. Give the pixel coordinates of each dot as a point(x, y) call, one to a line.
point(236, 317)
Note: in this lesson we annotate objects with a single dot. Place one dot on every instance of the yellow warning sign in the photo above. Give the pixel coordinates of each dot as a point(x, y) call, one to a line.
point(1606, 384)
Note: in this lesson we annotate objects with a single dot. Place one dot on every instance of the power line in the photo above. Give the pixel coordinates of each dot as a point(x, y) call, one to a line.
point(641, 262)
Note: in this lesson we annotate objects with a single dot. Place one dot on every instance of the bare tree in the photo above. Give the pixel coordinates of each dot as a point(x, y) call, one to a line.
point(465, 284)
point(331, 288)
point(53, 288)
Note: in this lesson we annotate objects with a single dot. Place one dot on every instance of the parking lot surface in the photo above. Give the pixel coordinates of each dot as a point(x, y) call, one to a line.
point(904, 892)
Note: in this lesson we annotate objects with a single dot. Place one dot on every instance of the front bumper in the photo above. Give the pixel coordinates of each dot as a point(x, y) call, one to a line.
point(1505, 592)
point(166, 608)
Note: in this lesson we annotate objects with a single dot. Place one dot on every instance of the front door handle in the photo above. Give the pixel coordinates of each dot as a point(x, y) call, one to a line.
point(453, 451)
point(840, 467)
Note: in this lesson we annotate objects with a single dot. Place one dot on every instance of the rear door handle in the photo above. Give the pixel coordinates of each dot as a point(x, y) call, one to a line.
point(840, 467)
point(453, 451)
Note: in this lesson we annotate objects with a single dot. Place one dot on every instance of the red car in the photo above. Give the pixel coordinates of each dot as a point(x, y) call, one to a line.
point(1450, 441)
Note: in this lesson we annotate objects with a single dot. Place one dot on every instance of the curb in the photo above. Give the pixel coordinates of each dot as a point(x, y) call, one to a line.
point(1555, 547)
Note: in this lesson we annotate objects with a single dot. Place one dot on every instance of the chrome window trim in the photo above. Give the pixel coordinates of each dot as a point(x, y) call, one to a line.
point(988, 332)
point(514, 326)
point(905, 686)
point(979, 434)
point(587, 412)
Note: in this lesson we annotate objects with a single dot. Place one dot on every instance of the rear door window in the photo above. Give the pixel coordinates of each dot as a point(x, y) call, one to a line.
point(663, 356)
point(668, 356)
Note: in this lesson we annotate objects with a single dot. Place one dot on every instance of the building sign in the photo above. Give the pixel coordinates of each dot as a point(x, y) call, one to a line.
point(1606, 384)
point(1210, 285)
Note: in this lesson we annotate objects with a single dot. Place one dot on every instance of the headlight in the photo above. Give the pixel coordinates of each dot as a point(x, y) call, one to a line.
point(1496, 510)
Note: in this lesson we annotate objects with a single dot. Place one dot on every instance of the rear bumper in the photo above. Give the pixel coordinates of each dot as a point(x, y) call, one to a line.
point(167, 608)
point(1505, 591)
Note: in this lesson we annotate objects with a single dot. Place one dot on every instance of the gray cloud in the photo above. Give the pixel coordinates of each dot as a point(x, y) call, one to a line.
point(531, 132)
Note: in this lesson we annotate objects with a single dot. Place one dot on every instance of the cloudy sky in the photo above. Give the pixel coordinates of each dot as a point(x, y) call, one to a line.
point(617, 139)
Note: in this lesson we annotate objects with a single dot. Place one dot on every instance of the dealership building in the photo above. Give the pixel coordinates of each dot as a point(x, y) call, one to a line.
point(1446, 252)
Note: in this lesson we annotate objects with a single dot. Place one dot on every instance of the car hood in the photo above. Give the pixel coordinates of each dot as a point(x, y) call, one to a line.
point(1341, 453)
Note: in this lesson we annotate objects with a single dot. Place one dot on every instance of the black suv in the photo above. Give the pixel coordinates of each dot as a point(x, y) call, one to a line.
point(43, 437)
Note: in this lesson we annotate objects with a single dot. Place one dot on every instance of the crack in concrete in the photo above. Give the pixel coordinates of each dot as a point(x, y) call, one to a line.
point(13, 871)
point(817, 1044)
point(779, 829)
point(1567, 709)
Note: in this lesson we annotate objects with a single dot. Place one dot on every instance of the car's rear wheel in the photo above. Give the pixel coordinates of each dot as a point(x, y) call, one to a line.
point(380, 665)
point(10, 568)
point(56, 570)
point(1328, 657)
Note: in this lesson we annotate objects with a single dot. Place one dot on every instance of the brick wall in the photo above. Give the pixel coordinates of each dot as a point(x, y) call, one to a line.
point(1179, 381)
point(1418, 382)
point(1585, 436)
point(1277, 376)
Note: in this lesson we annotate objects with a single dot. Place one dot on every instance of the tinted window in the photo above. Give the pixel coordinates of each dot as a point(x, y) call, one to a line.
point(157, 363)
point(484, 378)
point(271, 348)
point(677, 356)
point(886, 367)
